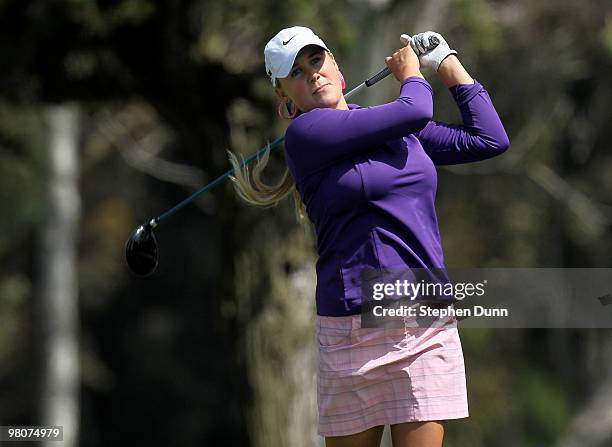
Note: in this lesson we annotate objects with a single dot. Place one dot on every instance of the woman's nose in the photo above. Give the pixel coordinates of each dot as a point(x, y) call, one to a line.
point(314, 75)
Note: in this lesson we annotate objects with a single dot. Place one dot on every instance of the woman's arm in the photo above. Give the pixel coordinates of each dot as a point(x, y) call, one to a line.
point(451, 72)
point(482, 134)
point(322, 137)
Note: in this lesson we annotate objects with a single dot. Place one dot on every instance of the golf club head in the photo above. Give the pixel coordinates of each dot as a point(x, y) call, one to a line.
point(141, 250)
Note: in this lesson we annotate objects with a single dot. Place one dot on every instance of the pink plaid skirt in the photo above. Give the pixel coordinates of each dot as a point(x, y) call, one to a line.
point(369, 376)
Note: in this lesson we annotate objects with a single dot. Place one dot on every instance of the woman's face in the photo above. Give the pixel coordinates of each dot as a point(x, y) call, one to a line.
point(314, 81)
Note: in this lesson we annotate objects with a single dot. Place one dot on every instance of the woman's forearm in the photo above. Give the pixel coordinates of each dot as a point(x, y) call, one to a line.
point(451, 72)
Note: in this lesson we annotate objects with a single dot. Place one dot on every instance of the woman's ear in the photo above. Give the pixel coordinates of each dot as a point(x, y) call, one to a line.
point(342, 79)
point(280, 94)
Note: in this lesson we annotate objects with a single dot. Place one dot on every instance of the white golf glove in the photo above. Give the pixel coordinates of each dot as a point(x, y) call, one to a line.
point(430, 47)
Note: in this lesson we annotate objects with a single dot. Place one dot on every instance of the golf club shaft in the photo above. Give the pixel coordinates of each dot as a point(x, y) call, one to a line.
point(154, 222)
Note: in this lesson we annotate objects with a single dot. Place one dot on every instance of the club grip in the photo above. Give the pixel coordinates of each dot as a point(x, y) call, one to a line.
point(378, 76)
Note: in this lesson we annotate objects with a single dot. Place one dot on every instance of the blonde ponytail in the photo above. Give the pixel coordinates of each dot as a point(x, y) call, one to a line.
point(258, 193)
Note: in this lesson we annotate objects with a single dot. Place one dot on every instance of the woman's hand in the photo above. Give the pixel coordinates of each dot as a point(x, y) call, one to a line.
point(434, 52)
point(404, 63)
point(430, 47)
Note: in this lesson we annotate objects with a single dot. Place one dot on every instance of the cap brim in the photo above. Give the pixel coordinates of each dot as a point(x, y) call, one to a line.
point(284, 70)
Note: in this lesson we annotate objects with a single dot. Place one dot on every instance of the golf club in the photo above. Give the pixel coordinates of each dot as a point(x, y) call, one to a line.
point(141, 252)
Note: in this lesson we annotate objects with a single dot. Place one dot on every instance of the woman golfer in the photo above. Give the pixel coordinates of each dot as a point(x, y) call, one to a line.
point(367, 179)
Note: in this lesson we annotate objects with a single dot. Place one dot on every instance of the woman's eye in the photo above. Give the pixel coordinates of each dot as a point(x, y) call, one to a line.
point(314, 61)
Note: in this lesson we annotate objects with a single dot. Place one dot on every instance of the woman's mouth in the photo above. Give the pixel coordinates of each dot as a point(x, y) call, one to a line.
point(320, 88)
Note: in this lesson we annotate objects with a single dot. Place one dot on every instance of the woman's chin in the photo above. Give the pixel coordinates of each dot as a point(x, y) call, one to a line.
point(327, 101)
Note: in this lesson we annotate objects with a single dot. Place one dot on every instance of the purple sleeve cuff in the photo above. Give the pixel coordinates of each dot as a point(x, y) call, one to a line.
point(464, 93)
point(416, 79)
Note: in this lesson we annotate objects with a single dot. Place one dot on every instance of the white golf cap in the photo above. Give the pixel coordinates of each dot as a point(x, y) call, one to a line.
point(281, 50)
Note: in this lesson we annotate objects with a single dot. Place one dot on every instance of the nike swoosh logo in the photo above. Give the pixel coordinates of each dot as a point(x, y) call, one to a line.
point(285, 43)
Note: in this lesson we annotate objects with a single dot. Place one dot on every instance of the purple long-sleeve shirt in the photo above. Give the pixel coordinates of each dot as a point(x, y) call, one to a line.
point(367, 178)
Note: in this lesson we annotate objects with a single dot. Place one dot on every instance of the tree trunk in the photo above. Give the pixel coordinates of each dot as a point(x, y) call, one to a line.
point(279, 341)
point(58, 277)
point(592, 425)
